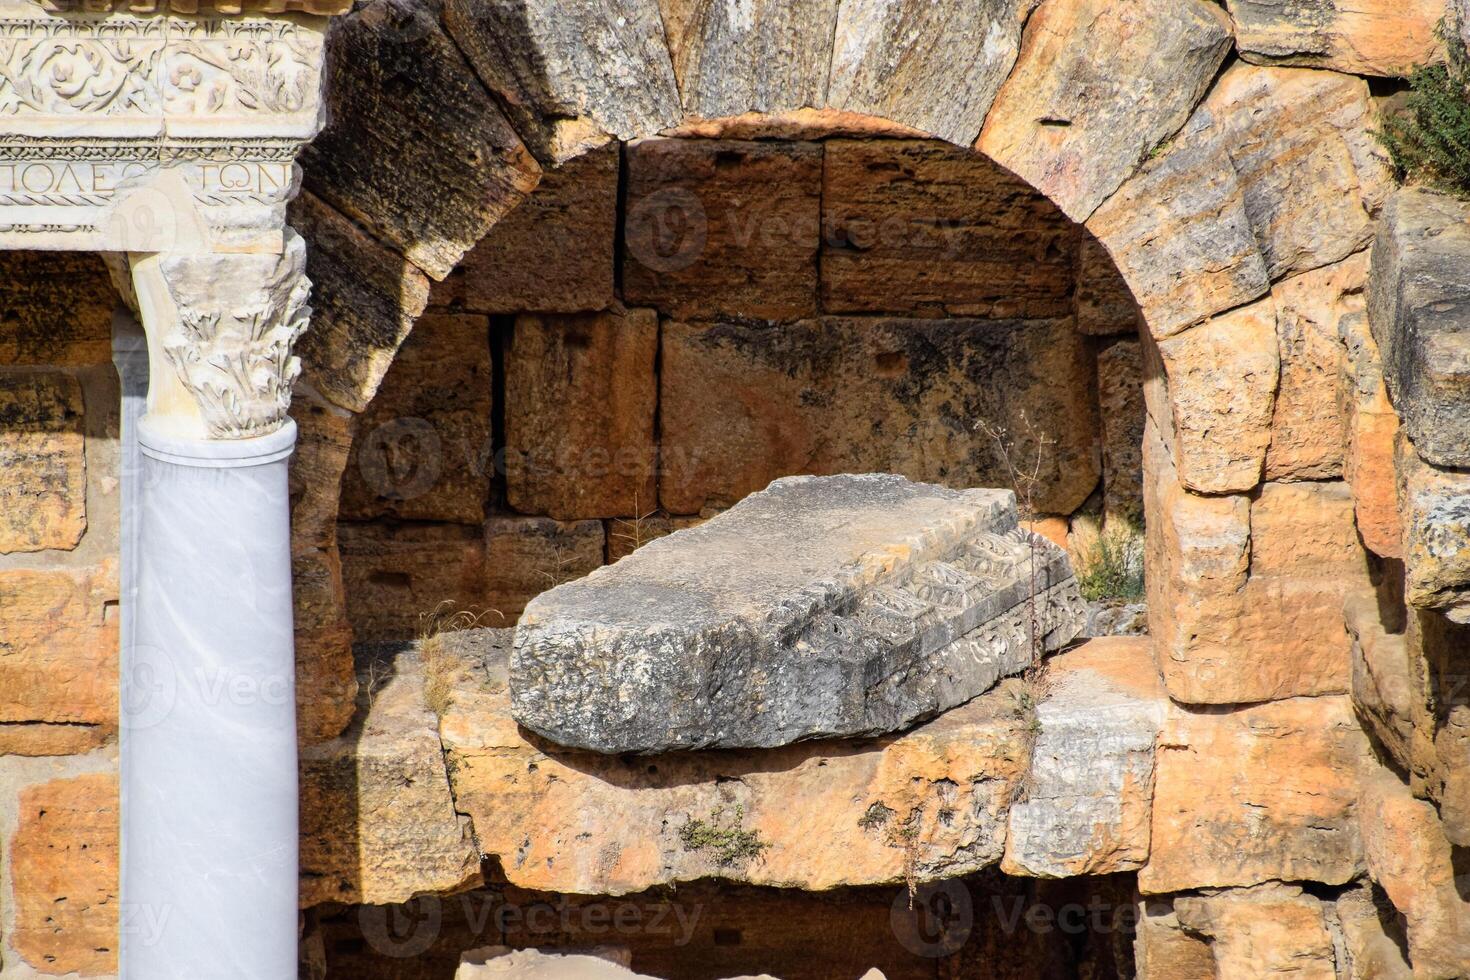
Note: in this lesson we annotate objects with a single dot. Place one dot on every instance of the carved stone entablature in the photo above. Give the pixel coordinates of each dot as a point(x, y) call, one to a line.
point(324, 8)
point(148, 133)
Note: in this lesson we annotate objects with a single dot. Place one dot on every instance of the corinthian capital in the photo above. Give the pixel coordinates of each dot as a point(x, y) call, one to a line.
point(220, 327)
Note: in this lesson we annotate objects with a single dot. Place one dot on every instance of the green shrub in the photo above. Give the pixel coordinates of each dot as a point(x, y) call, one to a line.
point(1428, 139)
point(1110, 564)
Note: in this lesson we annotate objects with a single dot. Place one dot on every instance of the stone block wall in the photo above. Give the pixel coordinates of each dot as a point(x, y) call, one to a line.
point(59, 473)
point(666, 326)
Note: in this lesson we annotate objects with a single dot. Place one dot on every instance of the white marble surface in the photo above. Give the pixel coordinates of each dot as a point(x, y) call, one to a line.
point(209, 732)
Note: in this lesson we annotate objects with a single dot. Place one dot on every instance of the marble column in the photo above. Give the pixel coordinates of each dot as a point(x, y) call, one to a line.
point(209, 773)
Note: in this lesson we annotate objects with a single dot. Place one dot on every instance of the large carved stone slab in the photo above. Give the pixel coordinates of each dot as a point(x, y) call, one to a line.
point(1419, 310)
point(182, 136)
point(571, 75)
point(925, 805)
point(933, 66)
point(821, 606)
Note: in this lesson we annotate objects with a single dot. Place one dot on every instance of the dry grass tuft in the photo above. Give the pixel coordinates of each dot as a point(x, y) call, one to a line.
point(440, 666)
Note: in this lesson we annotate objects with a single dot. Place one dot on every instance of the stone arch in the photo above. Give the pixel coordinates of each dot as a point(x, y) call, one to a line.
point(1210, 180)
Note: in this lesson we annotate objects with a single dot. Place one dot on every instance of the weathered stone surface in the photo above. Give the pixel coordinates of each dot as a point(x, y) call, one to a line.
point(742, 404)
point(324, 434)
point(917, 62)
point(55, 308)
point(722, 227)
point(1371, 935)
point(1257, 794)
point(1437, 648)
point(58, 645)
point(849, 605)
point(1434, 507)
point(925, 229)
point(1075, 125)
point(1388, 692)
point(1309, 169)
point(626, 535)
point(571, 75)
point(764, 56)
point(1091, 780)
point(1121, 414)
point(1163, 949)
point(399, 93)
point(1371, 429)
point(364, 300)
point(1307, 422)
point(580, 398)
point(43, 456)
point(1179, 234)
point(504, 963)
point(930, 803)
point(63, 876)
point(552, 254)
point(1105, 304)
point(1269, 931)
point(1221, 379)
point(38, 738)
point(422, 450)
point(1408, 855)
point(1245, 598)
point(525, 556)
point(378, 825)
point(399, 575)
point(1419, 309)
point(1362, 37)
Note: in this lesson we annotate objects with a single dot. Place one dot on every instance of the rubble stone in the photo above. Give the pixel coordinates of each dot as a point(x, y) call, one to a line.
point(821, 606)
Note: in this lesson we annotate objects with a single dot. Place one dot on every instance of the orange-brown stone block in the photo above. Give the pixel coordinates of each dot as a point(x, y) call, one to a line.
point(1361, 37)
point(43, 490)
point(422, 450)
point(398, 577)
point(525, 556)
point(1121, 413)
point(922, 228)
point(37, 738)
point(1258, 794)
point(1163, 949)
point(55, 308)
point(742, 404)
point(324, 435)
point(1105, 304)
point(553, 253)
point(722, 228)
point(580, 397)
point(58, 645)
point(1307, 423)
point(64, 876)
point(1270, 931)
point(1371, 432)
point(626, 535)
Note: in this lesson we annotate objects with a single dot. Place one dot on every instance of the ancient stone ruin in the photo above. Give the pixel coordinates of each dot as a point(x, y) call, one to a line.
point(900, 489)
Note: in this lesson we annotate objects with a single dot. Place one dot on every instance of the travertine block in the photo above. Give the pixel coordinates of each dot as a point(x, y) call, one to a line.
point(43, 493)
point(422, 450)
point(324, 435)
point(1162, 948)
point(554, 253)
point(1269, 931)
point(1307, 423)
point(525, 556)
point(626, 535)
point(378, 825)
point(58, 636)
point(1257, 794)
point(1371, 429)
point(1179, 233)
point(364, 298)
point(1363, 37)
point(63, 875)
point(925, 229)
point(916, 62)
point(1091, 780)
point(1434, 508)
point(821, 606)
point(56, 308)
point(570, 75)
point(742, 404)
point(1309, 169)
point(1075, 125)
point(1389, 688)
point(722, 227)
point(398, 576)
point(1121, 414)
point(1419, 310)
point(580, 399)
point(1105, 304)
point(772, 55)
point(1221, 380)
point(1408, 855)
point(382, 161)
point(927, 804)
